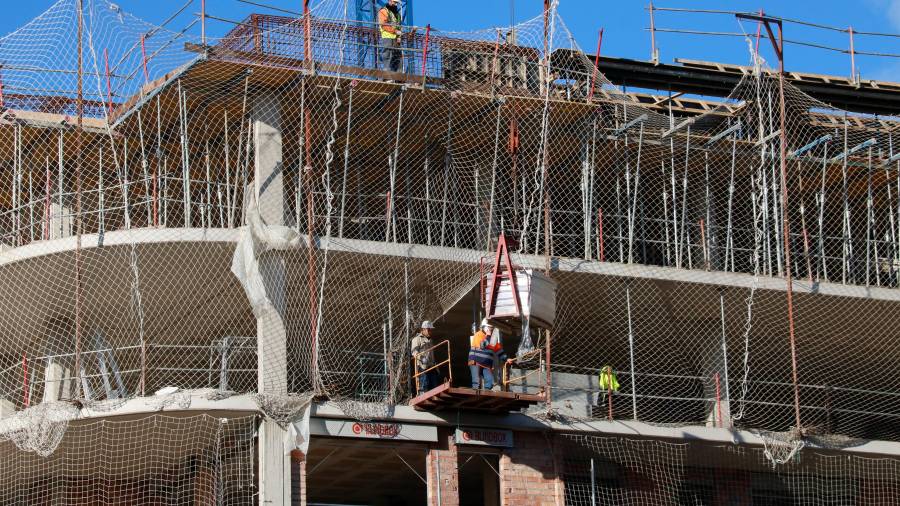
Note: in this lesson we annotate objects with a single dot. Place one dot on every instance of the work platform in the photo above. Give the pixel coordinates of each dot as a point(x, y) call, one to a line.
point(446, 397)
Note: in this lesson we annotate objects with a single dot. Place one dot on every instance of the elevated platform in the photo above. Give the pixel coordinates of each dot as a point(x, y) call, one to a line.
point(446, 397)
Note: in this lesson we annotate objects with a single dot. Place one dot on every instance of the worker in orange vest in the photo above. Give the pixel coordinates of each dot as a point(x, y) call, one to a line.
point(482, 354)
point(389, 27)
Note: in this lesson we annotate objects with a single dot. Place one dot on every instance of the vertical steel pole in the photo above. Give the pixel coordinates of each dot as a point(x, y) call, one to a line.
point(144, 59)
point(78, 218)
point(786, 229)
point(631, 353)
point(547, 192)
point(310, 221)
point(596, 66)
point(203, 22)
point(654, 54)
point(425, 54)
point(108, 84)
point(724, 352)
point(593, 485)
point(852, 56)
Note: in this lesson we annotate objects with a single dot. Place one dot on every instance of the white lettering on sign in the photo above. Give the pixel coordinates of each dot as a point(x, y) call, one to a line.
point(484, 437)
point(372, 430)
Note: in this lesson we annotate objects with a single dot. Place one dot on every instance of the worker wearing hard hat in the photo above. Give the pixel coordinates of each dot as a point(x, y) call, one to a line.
point(389, 26)
point(423, 356)
point(482, 354)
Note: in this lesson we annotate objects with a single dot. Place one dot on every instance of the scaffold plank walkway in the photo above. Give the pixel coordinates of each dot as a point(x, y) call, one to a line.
point(446, 397)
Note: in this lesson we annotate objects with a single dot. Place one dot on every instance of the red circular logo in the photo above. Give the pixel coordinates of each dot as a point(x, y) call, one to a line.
point(356, 428)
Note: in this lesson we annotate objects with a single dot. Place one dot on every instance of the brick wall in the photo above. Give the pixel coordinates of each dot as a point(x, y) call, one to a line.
point(298, 478)
point(528, 472)
point(442, 455)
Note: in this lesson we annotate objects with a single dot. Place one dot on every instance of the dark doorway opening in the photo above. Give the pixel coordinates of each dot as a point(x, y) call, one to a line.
point(360, 472)
point(479, 479)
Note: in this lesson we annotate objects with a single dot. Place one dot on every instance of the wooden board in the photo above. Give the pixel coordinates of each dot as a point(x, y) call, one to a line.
point(446, 398)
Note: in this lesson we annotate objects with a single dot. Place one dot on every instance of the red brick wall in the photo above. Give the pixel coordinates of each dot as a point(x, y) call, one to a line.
point(528, 472)
point(443, 455)
point(298, 478)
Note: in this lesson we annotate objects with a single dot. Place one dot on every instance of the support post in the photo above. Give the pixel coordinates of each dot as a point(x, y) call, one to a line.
point(144, 59)
point(593, 485)
point(79, 392)
point(654, 53)
point(631, 352)
point(108, 85)
point(274, 473)
point(778, 45)
point(425, 55)
point(203, 22)
point(307, 36)
point(596, 69)
point(852, 56)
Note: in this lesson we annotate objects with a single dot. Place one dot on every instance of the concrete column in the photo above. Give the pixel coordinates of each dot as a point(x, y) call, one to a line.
point(271, 333)
point(442, 471)
point(61, 221)
point(268, 158)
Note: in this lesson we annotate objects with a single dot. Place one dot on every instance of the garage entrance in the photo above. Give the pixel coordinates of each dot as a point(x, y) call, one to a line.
point(362, 472)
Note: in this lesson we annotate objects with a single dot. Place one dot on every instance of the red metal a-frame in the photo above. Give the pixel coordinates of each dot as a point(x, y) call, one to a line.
point(498, 275)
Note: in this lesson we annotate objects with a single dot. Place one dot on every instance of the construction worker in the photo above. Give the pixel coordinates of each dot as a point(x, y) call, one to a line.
point(389, 26)
point(482, 355)
point(608, 380)
point(420, 347)
point(609, 385)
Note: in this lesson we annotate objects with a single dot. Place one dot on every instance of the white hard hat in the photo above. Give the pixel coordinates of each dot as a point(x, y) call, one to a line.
point(486, 323)
point(426, 324)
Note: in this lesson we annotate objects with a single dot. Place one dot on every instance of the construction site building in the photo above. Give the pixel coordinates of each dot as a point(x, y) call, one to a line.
point(215, 252)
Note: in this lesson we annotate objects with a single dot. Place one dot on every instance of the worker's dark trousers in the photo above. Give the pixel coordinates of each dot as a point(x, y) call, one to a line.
point(390, 54)
point(427, 381)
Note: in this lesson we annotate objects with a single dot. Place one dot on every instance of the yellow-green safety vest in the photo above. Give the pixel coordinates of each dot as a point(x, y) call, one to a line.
point(394, 21)
point(608, 380)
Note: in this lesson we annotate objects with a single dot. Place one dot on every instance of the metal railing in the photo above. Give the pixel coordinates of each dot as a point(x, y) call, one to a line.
point(435, 367)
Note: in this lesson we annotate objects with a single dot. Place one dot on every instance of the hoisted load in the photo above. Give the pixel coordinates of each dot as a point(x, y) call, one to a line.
point(533, 300)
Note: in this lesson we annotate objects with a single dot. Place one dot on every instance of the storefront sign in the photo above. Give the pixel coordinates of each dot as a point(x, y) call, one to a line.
point(390, 431)
point(484, 437)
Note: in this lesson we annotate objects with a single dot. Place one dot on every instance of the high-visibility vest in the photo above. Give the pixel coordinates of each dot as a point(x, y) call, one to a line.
point(608, 380)
point(482, 355)
point(392, 20)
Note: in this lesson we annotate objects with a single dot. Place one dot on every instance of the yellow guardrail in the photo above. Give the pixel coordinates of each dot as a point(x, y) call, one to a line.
point(507, 380)
point(446, 362)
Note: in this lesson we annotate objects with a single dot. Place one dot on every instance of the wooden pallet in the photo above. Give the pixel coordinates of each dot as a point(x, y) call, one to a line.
point(446, 398)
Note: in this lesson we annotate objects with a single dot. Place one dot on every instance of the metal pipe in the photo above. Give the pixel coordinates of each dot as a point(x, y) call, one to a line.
point(596, 69)
point(593, 485)
point(852, 56)
point(654, 54)
point(346, 164)
point(631, 351)
point(203, 22)
point(724, 351)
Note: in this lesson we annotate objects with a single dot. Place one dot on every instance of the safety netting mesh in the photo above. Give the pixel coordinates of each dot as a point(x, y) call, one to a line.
point(621, 470)
point(274, 212)
point(156, 459)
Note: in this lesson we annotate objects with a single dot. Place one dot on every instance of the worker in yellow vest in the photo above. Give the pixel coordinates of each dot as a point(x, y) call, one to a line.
point(389, 25)
point(608, 381)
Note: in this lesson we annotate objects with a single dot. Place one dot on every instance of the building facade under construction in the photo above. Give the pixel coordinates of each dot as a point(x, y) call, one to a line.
point(215, 252)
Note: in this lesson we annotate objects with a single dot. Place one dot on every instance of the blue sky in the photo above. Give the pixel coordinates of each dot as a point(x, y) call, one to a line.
point(624, 22)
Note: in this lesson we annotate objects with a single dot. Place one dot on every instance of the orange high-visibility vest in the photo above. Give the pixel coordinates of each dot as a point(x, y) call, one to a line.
point(389, 23)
